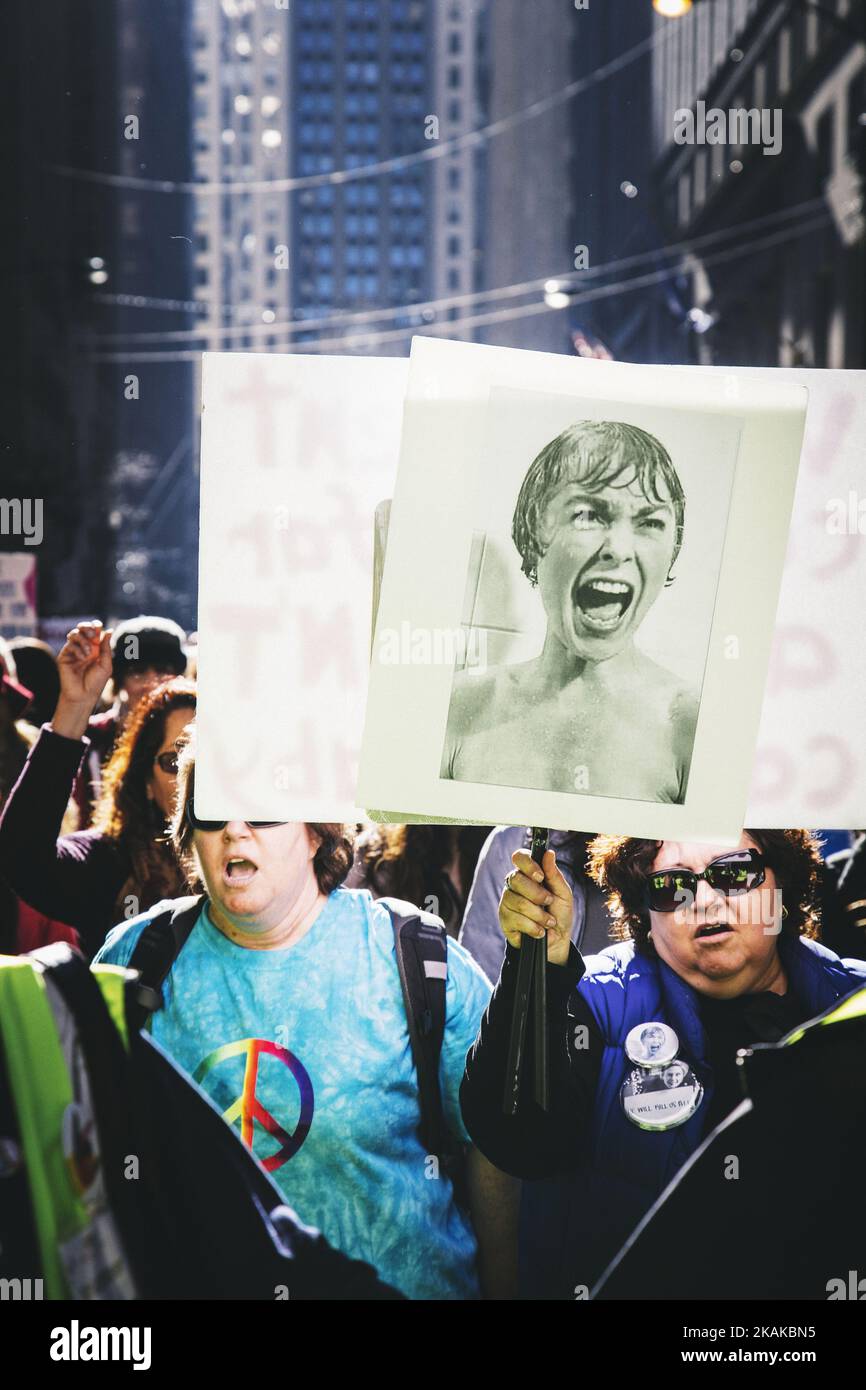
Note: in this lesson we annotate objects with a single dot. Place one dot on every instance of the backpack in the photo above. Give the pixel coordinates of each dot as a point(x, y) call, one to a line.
point(110, 1106)
point(420, 944)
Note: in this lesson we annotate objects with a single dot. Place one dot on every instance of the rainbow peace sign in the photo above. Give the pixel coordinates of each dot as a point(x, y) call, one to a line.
point(249, 1109)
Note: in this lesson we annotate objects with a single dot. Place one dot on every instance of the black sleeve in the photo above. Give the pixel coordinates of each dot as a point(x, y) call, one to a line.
point(73, 878)
point(534, 1143)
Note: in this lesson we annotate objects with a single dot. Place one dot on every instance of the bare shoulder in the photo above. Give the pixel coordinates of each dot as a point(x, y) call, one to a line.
point(471, 692)
point(470, 695)
point(684, 707)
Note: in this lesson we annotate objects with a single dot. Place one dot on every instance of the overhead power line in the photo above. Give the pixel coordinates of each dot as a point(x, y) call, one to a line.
point(440, 150)
point(290, 327)
point(368, 340)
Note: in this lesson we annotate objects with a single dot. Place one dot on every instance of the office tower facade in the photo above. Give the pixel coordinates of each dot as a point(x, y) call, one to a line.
point(300, 97)
point(776, 275)
point(241, 134)
point(568, 178)
point(91, 261)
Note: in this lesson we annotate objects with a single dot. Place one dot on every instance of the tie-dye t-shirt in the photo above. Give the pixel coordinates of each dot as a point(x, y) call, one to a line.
point(306, 1051)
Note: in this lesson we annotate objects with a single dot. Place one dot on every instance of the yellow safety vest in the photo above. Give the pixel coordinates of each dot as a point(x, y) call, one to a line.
point(81, 1250)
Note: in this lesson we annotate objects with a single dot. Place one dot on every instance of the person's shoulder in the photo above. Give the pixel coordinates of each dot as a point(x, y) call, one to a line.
point(121, 941)
point(472, 692)
point(502, 841)
point(357, 908)
point(832, 962)
point(679, 705)
point(612, 966)
point(684, 703)
point(464, 968)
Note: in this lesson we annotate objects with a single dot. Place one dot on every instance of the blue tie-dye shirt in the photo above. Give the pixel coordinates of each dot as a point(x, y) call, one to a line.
point(306, 1050)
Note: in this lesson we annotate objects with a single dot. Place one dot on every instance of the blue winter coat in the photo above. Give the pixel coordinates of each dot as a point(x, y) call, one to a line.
point(571, 1227)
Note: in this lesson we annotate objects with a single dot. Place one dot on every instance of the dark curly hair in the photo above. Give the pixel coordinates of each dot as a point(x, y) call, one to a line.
point(619, 866)
point(124, 812)
point(331, 862)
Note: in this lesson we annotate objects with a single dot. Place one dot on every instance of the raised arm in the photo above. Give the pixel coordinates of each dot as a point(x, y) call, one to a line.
point(61, 876)
point(534, 1143)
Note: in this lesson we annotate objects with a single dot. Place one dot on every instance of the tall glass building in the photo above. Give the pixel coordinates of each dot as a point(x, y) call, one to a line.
point(302, 97)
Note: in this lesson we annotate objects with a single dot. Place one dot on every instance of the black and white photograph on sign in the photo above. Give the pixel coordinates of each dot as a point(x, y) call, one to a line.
point(597, 542)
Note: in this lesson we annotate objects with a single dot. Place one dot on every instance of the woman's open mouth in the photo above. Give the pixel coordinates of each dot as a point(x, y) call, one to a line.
point(239, 871)
point(713, 931)
point(602, 604)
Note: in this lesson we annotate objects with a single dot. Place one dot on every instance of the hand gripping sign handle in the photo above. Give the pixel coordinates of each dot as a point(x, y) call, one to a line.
point(531, 998)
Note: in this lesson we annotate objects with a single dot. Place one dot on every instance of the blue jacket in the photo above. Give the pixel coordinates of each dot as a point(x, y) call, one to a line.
point(588, 1217)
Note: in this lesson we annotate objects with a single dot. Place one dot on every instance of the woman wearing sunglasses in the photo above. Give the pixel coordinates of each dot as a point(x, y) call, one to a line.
point(285, 1005)
point(124, 863)
point(716, 952)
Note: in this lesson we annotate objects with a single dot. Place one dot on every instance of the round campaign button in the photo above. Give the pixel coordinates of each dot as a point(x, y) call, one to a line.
point(661, 1097)
point(652, 1045)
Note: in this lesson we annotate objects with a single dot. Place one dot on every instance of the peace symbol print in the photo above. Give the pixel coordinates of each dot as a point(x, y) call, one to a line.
point(248, 1108)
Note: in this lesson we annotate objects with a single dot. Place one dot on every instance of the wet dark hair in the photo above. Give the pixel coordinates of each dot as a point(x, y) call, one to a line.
point(603, 451)
point(331, 862)
point(619, 866)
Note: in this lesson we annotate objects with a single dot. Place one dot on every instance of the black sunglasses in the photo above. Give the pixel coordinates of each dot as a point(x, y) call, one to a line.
point(730, 874)
point(167, 761)
point(221, 824)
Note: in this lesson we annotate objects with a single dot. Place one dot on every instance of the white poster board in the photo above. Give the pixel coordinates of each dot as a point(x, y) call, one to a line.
point(297, 451)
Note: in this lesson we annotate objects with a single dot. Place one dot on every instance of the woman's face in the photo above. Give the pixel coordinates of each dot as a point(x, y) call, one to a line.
point(720, 946)
point(653, 1040)
point(607, 555)
point(258, 876)
point(161, 784)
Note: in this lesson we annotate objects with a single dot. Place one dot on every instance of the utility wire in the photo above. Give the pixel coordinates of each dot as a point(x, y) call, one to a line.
point(470, 140)
point(294, 326)
point(367, 340)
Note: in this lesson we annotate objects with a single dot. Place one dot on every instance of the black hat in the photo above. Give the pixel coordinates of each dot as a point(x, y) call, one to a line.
point(146, 641)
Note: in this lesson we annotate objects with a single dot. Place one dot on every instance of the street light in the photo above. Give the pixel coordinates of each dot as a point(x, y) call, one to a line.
point(672, 9)
point(675, 9)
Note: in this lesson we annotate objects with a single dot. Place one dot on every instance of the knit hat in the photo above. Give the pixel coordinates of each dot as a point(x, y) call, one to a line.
point(143, 642)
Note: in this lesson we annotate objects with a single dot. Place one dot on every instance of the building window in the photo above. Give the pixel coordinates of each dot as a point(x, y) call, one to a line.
point(684, 198)
point(700, 178)
point(824, 143)
point(784, 59)
point(856, 109)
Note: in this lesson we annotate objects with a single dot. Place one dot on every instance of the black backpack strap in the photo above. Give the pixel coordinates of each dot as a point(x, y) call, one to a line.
point(155, 952)
point(421, 944)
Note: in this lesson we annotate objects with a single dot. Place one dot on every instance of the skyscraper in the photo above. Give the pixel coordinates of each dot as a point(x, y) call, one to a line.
point(90, 105)
point(778, 275)
point(301, 97)
point(567, 177)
